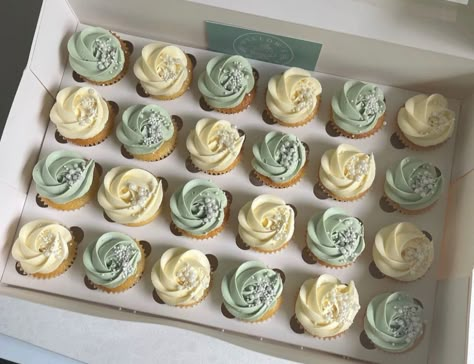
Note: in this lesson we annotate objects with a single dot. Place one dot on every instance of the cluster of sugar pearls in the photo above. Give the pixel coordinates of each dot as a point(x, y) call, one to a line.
point(368, 104)
point(49, 245)
point(72, 174)
point(439, 121)
point(407, 323)
point(211, 210)
point(121, 259)
point(168, 68)
point(304, 96)
point(347, 240)
point(422, 181)
point(189, 277)
point(233, 78)
point(88, 109)
point(339, 306)
point(357, 167)
point(106, 54)
point(226, 137)
point(287, 154)
point(262, 292)
point(152, 128)
point(418, 255)
point(139, 196)
point(280, 223)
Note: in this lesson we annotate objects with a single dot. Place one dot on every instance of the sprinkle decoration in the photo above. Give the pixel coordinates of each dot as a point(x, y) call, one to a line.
point(422, 181)
point(287, 153)
point(139, 196)
point(279, 223)
point(88, 109)
point(417, 255)
point(368, 105)
point(152, 128)
point(72, 174)
point(357, 167)
point(226, 137)
point(339, 307)
point(121, 260)
point(211, 210)
point(188, 277)
point(262, 292)
point(233, 78)
point(347, 239)
point(439, 121)
point(49, 245)
point(407, 323)
point(105, 54)
point(304, 96)
point(169, 68)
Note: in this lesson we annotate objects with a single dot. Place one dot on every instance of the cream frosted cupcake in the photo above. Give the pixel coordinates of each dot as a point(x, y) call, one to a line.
point(425, 121)
point(394, 321)
point(82, 116)
point(165, 71)
point(266, 224)
point(215, 146)
point(335, 238)
point(325, 307)
point(147, 132)
point(182, 277)
point(44, 249)
point(131, 196)
point(346, 173)
point(293, 97)
point(402, 252)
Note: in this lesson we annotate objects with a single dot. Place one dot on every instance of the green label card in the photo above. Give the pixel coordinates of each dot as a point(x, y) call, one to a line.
point(262, 46)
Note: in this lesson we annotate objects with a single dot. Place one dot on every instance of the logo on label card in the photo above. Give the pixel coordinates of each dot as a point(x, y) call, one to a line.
point(263, 47)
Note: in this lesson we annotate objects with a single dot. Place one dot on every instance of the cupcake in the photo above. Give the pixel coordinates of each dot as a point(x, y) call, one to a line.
point(394, 321)
point(98, 56)
point(425, 121)
point(147, 132)
point(334, 238)
point(279, 160)
point(114, 263)
point(165, 71)
point(82, 116)
point(199, 209)
point(325, 307)
point(228, 84)
point(252, 292)
point(44, 249)
point(65, 180)
point(358, 110)
point(412, 186)
point(346, 173)
point(266, 224)
point(182, 277)
point(293, 97)
point(402, 252)
point(131, 196)
point(215, 146)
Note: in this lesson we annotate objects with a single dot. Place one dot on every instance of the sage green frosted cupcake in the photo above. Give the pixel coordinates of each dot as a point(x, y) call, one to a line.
point(114, 263)
point(252, 292)
point(394, 321)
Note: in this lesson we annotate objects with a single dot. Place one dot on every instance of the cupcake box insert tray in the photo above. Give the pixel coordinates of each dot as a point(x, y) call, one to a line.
point(229, 255)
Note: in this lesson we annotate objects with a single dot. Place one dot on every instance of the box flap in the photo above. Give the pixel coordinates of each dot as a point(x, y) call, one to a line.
point(464, 153)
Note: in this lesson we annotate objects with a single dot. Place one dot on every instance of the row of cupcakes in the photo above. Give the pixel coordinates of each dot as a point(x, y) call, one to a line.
point(115, 262)
point(228, 85)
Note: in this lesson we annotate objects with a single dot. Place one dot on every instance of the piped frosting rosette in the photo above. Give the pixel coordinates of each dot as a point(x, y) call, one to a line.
point(214, 145)
point(346, 173)
point(325, 307)
point(163, 70)
point(181, 277)
point(394, 321)
point(426, 120)
point(252, 291)
point(292, 97)
point(266, 223)
point(402, 251)
point(130, 196)
point(43, 247)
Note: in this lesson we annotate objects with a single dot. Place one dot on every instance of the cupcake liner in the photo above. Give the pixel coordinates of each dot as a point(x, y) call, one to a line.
point(400, 209)
point(267, 181)
point(79, 202)
point(299, 123)
point(211, 234)
point(122, 73)
point(341, 199)
point(224, 171)
point(130, 281)
point(101, 136)
point(274, 251)
point(410, 145)
point(242, 106)
point(376, 128)
point(145, 222)
point(64, 266)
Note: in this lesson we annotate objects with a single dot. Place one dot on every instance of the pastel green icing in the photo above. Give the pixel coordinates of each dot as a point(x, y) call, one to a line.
point(413, 184)
point(112, 259)
point(335, 237)
point(144, 128)
point(394, 321)
point(279, 156)
point(96, 54)
point(251, 290)
point(63, 176)
point(198, 207)
point(226, 81)
point(357, 107)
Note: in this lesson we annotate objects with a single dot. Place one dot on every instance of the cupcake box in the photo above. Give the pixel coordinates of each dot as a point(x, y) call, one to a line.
point(48, 72)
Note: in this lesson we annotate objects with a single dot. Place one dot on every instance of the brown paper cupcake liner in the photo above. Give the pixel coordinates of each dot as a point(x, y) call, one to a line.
point(79, 202)
point(267, 181)
point(400, 209)
point(299, 123)
point(211, 234)
point(211, 172)
point(242, 106)
point(274, 251)
point(338, 198)
point(376, 128)
point(64, 266)
point(162, 152)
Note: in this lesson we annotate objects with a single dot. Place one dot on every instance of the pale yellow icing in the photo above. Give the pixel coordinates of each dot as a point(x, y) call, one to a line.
point(402, 251)
point(325, 306)
point(42, 245)
point(130, 195)
point(346, 171)
point(181, 276)
point(266, 223)
point(426, 120)
point(214, 144)
point(161, 69)
point(292, 96)
point(79, 112)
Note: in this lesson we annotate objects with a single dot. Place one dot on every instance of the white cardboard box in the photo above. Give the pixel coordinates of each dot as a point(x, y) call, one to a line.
point(437, 64)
